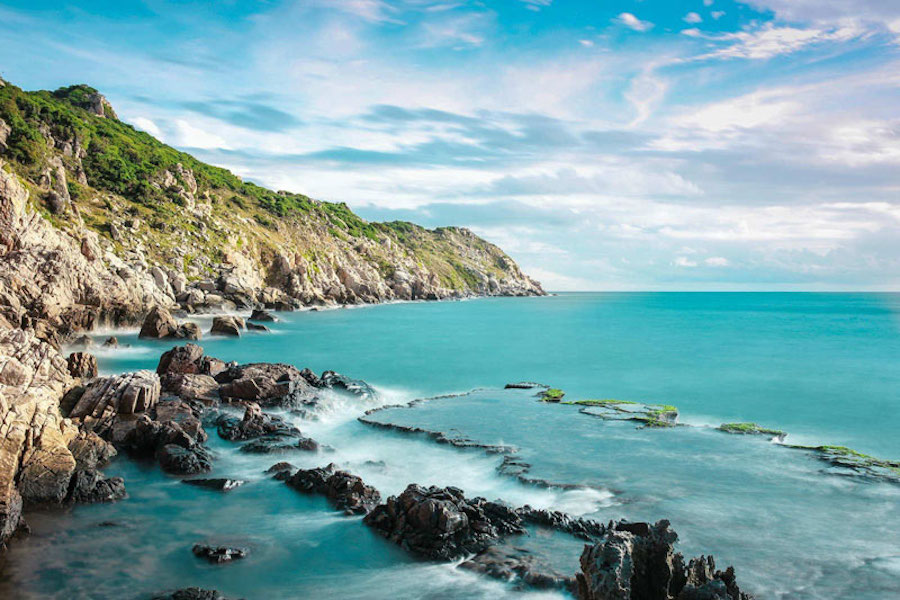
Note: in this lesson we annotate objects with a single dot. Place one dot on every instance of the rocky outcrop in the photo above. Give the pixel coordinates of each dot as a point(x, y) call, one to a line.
point(637, 561)
point(254, 424)
point(218, 484)
point(218, 554)
point(160, 324)
point(441, 523)
point(82, 365)
point(103, 399)
point(268, 384)
point(228, 326)
point(347, 492)
point(519, 566)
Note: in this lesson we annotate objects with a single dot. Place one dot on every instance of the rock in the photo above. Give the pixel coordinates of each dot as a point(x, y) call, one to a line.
point(255, 327)
point(183, 461)
point(254, 424)
point(181, 359)
point(345, 491)
point(218, 554)
point(523, 385)
point(268, 384)
point(273, 444)
point(357, 387)
point(262, 315)
point(90, 451)
point(440, 523)
point(192, 386)
point(585, 529)
point(192, 593)
point(111, 342)
point(637, 561)
point(230, 326)
point(158, 324)
point(220, 484)
point(82, 365)
point(89, 487)
point(281, 470)
point(83, 341)
point(188, 331)
point(519, 566)
point(106, 397)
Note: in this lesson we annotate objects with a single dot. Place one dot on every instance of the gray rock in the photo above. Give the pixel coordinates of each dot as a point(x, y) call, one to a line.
point(230, 326)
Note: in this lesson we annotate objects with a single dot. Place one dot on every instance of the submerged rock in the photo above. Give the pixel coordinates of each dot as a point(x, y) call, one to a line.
point(441, 523)
point(637, 561)
point(281, 470)
point(218, 554)
point(192, 593)
point(346, 492)
point(219, 484)
point(518, 566)
point(256, 327)
point(262, 315)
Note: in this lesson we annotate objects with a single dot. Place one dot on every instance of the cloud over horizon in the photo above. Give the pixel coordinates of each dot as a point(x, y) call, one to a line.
point(708, 145)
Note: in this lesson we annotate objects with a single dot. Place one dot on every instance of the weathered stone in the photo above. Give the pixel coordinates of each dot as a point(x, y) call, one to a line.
point(268, 384)
point(345, 491)
point(262, 315)
point(183, 461)
point(256, 327)
point(255, 423)
point(82, 365)
point(158, 324)
point(89, 487)
point(518, 566)
point(230, 326)
point(106, 397)
point(218, 554)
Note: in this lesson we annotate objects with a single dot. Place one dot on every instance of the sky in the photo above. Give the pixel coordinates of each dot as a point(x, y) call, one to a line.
point(605, 145)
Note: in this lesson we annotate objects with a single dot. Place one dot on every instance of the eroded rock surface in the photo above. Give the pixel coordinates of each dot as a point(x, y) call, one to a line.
point(344, 490)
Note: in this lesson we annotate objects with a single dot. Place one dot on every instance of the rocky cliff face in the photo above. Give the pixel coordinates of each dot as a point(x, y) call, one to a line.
point(99, 221)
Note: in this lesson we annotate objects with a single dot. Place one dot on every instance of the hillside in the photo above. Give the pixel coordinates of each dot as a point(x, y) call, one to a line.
point(155, 225)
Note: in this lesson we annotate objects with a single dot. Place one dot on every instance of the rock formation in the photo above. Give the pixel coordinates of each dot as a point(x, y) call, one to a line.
point(344, 490)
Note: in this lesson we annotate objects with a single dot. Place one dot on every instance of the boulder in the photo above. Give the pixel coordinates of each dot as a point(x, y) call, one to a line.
point(441, 523)
point(181, 359)
point(158, 324)
point(111, 342)
point(637, 561)
point(281, 470)
point(82, 365)
point(256, 327)
point(268, 384)
point(106, 397)
point(271, 444)
point(230, 326)
point(262, 315)
point(345, 491)
point(192, 386)
point(218, 554)
point(254, 424)
point(183, 461)
point(188, 331)
point(89, 486)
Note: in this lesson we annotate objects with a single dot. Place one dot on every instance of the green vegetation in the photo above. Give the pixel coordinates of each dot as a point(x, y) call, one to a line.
point(552, 395)
point(750, 429)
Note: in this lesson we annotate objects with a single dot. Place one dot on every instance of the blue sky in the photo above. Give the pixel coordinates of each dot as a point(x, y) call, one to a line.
point(654, 144)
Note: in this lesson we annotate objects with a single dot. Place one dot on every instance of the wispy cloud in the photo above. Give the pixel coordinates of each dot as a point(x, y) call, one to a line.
point(632, 22)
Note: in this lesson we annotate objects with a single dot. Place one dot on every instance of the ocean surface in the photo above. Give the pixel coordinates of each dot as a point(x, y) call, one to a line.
point(822, 367)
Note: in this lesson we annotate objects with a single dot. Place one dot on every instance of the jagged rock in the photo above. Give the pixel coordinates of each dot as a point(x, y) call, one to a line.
point(192, 593)
point(519, 566)
point(181, 359)
point(82, 365)
point(440, 523)
point(275, 443)
point(158, 324)
point(637, 561)
point(218, 554)
point(262, 315)
point(281, 470)
point(90, 451)
point(111, 342)
point(585, 529)
point(220, 484)
point(183, 461)
point(231, 326)
point(345, 491)
point(89, 487)
point(332, 380)
point(106, 397)
point(188, 331)
point(268, 384)
point(254, 424)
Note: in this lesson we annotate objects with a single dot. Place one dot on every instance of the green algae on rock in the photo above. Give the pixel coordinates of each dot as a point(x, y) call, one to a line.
point(554, 395)
point(752, 429)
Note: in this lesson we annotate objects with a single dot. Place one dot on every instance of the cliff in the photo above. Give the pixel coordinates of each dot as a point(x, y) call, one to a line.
point(98, 221)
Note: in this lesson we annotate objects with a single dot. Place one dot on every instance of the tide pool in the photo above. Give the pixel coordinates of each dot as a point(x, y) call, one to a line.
point(820, 366)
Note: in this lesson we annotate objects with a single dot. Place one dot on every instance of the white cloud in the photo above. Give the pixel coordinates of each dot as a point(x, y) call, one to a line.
point(646, 92)
point(632, 22)
point(707, 2)
point(145, 124)
point(190, 136)
point(586, 43)
point(693, 17)
point(772, 40)
point(764, 108)
point(536, 5)
point(717, 14)
point(684, 261)
point(716, 261)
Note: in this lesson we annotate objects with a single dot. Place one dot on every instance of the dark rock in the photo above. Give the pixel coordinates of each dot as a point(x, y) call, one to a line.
point(281, 471)
point(183, 461)
point(90, 451)
point(89, 486)
point(218, 554)
point(158, 324)
point(262, 315)
point(518, 566)
point(83, 341)
point(220, 484)
point(276, 444)
point(440, 523)
point(254, 424)
point(181, 359)
point(332, 380)
point(523, 385)
point(230, 325)
point(188, 331)
point(346, 492)
point(82, 365)
point(192, 593)
point(268, 384)
point(637, 561)
point(192, 386)
point(585, 529)
point(111, 342)
point(256, 327)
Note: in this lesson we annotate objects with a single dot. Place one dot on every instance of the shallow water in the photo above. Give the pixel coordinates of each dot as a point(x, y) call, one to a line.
point(820, 366)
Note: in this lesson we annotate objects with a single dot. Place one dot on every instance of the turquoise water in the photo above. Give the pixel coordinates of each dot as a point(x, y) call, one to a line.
point(820, 366)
